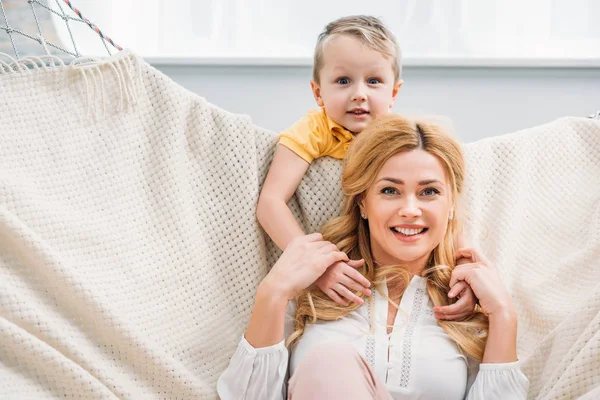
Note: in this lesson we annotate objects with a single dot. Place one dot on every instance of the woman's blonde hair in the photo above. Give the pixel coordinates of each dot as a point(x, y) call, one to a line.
point(368, 30)
point(384, 138)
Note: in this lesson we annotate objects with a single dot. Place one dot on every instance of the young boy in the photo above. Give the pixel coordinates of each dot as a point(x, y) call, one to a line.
point(356, 78)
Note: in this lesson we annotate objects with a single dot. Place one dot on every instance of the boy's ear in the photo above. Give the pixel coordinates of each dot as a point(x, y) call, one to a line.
point(316, 89)
point(395, 91)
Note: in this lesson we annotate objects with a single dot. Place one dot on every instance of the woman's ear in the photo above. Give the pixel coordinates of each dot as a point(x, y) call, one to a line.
point(360, 203)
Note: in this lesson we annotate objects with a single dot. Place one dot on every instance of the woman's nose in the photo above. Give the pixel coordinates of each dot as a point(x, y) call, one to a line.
point(409, 209)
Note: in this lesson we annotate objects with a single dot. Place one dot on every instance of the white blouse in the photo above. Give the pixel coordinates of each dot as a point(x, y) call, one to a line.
point(423, 362)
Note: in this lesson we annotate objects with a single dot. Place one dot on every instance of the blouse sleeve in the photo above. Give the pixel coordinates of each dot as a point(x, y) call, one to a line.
point(503, 381)
point(258, 373)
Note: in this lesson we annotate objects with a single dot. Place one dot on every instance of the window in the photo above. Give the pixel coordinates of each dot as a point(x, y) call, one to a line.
point(265, 31)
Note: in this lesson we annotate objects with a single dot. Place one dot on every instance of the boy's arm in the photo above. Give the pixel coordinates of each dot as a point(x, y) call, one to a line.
point(284, 176)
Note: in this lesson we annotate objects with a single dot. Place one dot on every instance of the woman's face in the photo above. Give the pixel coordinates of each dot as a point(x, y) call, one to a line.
point(407, 208)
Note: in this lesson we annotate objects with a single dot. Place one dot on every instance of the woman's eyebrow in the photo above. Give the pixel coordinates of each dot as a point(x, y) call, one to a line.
point(401, 182)
point(430, 181)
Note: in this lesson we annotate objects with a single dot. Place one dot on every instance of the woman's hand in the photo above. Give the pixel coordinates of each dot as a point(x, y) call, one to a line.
point(483, 278)
point(304, 260)
point(495, 302)
point(341, 280)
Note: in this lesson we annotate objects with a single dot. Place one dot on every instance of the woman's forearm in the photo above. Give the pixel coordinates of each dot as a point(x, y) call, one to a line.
point(268, 317)
point(501, 344)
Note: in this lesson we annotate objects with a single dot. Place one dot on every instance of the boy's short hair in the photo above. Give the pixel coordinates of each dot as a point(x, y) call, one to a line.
point(369, 30)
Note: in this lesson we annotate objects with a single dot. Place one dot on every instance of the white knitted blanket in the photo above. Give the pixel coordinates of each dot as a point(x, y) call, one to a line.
point(130, 253)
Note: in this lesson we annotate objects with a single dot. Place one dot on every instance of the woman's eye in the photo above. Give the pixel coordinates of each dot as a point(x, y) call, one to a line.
point(389, 191)
point(343, 81)
point(430, 192)
point(373, 81)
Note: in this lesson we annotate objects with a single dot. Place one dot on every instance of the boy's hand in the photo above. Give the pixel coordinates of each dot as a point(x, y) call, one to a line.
point(341, 280)
point(466, 300)
point(462, 308)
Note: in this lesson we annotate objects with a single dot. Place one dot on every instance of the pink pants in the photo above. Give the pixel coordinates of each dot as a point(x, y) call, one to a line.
point(335, 371)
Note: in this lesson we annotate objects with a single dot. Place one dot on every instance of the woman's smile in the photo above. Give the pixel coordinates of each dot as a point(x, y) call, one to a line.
point(405, 234)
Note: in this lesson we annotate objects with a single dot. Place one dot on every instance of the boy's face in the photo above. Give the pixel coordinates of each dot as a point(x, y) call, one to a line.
point(357, 83)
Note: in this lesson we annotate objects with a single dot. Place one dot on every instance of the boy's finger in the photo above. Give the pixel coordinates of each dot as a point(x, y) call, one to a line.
point(449, 309)
point(344, 292)
point(454, 311)
point(356, 263)
point(357, 277)
point(450, 317)
point(335, 297)
point(355, 286)
point(457, 289)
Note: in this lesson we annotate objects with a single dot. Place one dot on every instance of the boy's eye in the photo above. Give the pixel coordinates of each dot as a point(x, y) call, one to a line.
point(431, 192)
point(389, 191)
point(373, 81)
point(343, 81)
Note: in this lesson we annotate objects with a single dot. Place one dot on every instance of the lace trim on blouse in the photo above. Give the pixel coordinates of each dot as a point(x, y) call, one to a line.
point(370, 346)
point(408, 337)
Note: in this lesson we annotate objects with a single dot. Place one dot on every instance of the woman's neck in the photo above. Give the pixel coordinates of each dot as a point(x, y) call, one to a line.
point(415, 267)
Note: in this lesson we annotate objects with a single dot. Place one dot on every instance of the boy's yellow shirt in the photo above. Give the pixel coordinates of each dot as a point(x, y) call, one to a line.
point(316, 135)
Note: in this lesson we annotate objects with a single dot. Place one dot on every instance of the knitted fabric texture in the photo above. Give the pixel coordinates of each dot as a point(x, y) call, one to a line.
point(130, 252)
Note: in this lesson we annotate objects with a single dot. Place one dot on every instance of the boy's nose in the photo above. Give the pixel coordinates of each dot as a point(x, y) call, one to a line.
point(359, 97)
point(359, 94)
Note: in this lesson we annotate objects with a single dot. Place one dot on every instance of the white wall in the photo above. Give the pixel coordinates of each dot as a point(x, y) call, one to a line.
point(480, 102)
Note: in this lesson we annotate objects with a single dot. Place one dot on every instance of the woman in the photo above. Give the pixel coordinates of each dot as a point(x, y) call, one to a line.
point(402, 181)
